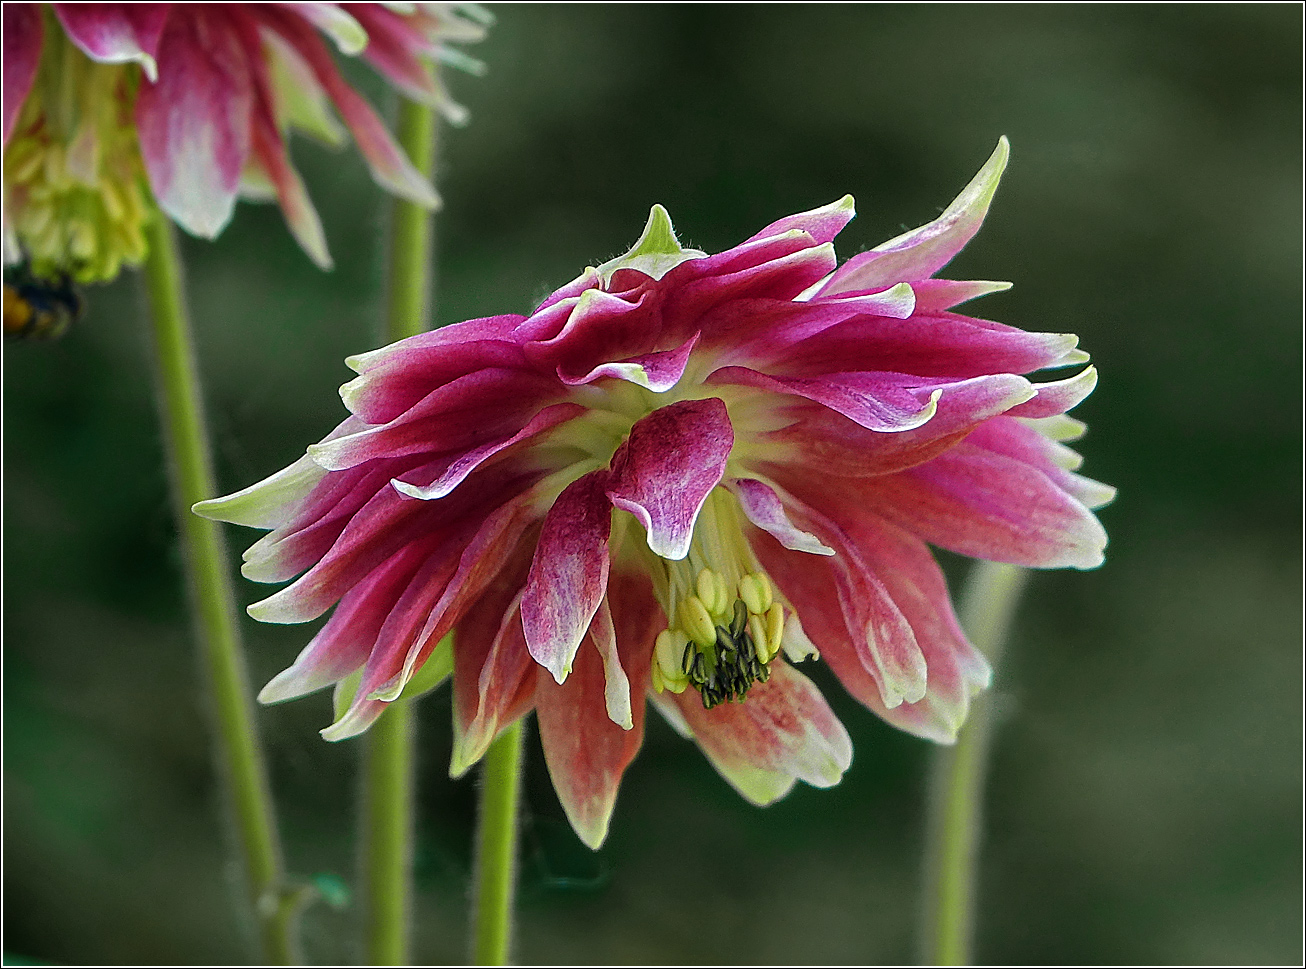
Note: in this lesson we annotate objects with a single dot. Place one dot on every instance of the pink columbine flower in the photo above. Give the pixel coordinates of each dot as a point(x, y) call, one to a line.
point(677, 478)
point(197, 100)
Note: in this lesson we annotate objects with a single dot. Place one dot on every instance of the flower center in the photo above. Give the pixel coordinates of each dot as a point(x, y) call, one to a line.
point(72, 171)
point(726, 625)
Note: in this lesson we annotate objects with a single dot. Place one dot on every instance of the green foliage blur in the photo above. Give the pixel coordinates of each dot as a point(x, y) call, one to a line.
point(1145, 802)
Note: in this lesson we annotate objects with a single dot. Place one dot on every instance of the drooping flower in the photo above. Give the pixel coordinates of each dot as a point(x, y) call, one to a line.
point(108, 104)
point(677, 478)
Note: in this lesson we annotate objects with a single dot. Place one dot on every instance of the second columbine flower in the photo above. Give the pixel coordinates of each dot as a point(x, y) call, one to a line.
point(679, 477)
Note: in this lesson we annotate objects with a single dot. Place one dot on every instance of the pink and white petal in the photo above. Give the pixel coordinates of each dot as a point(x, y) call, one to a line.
point(930, 344)
point(1014, 438)
point(822, 224)
point(616, 692)
point(922, 252)
point(1058, 396)
point(694, 288)
point(463, 414)
point(658, 371)
point(886, 402)
point(23, 34)
point(194, 123)
point(763, 330)
point(937, 295)
point(818, 437)
point(783, 731)
point(389, 165)
point(343, 644)
point(274, 500)
point(987, 505)
point(569, 574)
point(763, 507)
point(667, 467)
point(116, 33)
point(599, 328)
point(468, 461)
point(586, 752)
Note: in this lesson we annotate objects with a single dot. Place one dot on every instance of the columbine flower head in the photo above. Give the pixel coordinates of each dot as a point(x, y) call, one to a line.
point(679, 477)
point(108, 103)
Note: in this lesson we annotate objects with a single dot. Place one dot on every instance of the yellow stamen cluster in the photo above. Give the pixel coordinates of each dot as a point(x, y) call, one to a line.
point(74, 203)
point(725, 639)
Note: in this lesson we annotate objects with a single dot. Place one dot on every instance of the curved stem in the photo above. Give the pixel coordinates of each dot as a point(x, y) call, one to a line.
point(387, 802)
point(496, 849)
point(240, 758)
point(957, 782)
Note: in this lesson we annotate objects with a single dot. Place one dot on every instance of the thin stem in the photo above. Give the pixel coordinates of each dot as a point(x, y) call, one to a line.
point(388, 835)
point(496, 849)
point(387, 802)
point(957, 784)
point(240, 758)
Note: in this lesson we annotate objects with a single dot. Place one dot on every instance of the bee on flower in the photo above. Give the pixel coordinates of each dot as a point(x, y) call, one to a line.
point(112, 108)
point(679, 478)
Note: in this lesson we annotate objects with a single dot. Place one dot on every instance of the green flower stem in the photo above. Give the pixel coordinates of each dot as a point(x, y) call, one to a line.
point(388, 835)
point(240, 758)
point(387, 801)
point(957, 784)
point(496, 849)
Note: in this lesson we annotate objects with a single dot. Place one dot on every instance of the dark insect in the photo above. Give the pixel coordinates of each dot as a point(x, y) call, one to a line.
point(38, 309)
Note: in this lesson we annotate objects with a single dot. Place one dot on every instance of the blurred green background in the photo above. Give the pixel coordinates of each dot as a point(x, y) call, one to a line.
point(1145, 802)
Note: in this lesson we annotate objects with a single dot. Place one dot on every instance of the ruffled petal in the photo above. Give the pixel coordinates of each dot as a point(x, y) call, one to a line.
point(658, 371)
point(819, 438)
point(667, 467)
point(888, 402)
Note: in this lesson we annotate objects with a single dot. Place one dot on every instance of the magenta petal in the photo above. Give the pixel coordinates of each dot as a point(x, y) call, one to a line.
point(658, 371)
point(783, 731)
point(467, 462)
point(763, 508)
point(344, 643)
point(821, 224)
point(22, 55)
point(936, 295)
point(667, 467)
point(922, 252)
point(569, 573)
point(116, 33)
point(194, 124)
point(887, 402)
point(990, 506)
point(1057, 396)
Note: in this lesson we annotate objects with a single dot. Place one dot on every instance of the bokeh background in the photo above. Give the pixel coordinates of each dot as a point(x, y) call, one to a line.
point(1145, 801)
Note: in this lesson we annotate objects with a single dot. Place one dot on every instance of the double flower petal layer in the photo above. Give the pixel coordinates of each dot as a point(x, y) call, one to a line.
point(199, 99)
point(679, 477)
